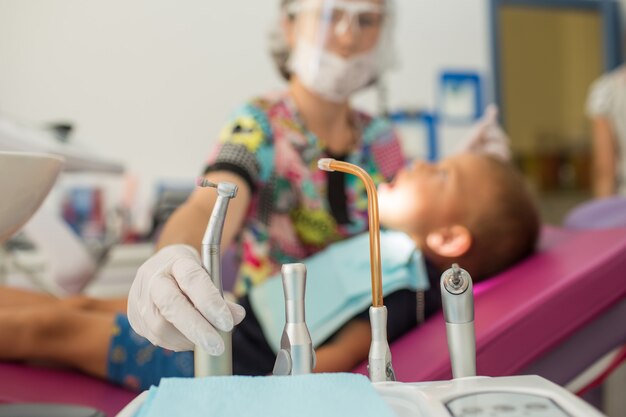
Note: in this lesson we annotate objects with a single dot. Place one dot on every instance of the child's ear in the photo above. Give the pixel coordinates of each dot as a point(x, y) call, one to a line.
point(451, 241)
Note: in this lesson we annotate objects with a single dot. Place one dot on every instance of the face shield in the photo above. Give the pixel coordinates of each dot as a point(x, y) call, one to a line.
point(338, 46)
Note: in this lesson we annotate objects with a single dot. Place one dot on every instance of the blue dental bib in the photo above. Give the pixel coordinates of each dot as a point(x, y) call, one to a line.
point(338, 285)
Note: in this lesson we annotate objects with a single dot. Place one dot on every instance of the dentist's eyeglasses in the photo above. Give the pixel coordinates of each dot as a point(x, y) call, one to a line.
point(342, 15)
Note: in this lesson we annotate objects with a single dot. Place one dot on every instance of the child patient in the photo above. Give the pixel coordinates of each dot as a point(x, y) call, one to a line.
point(470, 209)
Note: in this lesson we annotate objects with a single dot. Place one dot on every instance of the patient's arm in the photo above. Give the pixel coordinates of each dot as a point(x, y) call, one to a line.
point(349, 348)
point(51, 333)
point(17, 297)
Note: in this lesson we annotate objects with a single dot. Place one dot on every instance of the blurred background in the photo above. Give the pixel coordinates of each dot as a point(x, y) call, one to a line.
point(149, 84)
point(134, 93)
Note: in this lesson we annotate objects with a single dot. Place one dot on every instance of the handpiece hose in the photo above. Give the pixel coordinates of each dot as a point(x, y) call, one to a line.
point(379, 359)
point(329, 164)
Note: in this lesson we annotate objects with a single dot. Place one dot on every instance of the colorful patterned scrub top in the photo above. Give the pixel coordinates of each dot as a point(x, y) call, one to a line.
point(289, 217)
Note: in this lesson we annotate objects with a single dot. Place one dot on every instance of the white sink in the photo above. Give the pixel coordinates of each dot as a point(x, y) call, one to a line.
point(25, 181)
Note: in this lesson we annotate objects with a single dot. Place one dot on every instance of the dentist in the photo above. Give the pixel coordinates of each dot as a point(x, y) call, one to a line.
point(286, 209)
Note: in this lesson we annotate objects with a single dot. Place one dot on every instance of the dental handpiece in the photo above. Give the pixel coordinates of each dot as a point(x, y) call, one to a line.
point(204, 363)
point(296, 355)
point(458, 310)
point(380, 367)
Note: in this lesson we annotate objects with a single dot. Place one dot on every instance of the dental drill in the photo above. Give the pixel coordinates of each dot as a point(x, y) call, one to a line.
point(204, 363)
point(296, 355)
point(458, 310)
point(379, 367)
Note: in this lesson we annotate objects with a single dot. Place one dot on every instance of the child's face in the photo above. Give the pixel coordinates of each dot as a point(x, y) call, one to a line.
point(425, 196)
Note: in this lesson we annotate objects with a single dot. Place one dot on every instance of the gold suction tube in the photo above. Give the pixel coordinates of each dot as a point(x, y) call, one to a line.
point(329, 164)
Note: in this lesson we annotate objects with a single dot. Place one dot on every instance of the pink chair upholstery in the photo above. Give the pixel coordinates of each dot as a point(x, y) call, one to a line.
point(523, 314)
point(22, 383)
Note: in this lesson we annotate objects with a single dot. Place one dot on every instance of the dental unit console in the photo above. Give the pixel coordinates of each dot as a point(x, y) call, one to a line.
point(204, 363)
point(470, 395)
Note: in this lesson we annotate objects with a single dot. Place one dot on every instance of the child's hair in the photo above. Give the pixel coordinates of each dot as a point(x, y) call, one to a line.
point(506, 228)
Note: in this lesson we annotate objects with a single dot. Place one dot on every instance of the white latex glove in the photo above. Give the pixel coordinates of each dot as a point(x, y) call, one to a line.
point(174, 304)
point(488, 137)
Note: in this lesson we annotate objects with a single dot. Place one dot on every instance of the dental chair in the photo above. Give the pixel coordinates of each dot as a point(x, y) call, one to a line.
point(548, 315)
point(552, 315)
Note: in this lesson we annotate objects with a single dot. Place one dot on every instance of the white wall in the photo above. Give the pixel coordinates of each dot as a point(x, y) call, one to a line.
point(151, 82)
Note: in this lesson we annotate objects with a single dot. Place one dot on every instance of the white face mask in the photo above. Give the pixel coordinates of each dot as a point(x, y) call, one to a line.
point(329, 75)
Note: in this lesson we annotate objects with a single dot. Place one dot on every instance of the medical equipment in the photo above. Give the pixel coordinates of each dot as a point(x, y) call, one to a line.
point(296, 355)
point(545, 316)
point(20, 138)
point(458, 310)
point(204, 363)
point(379, 359)
point(468, 395)
point(483, 396)
point(343, 266)
point(47, 230)
point(25, 181)
point(518, 308)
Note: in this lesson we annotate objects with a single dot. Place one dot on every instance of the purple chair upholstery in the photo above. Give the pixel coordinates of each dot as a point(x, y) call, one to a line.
point(21, 383)
point(598, 214)
point(576, 279)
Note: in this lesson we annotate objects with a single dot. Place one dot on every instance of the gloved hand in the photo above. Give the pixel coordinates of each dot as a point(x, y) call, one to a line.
point(174, 304)
point(488, 137)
